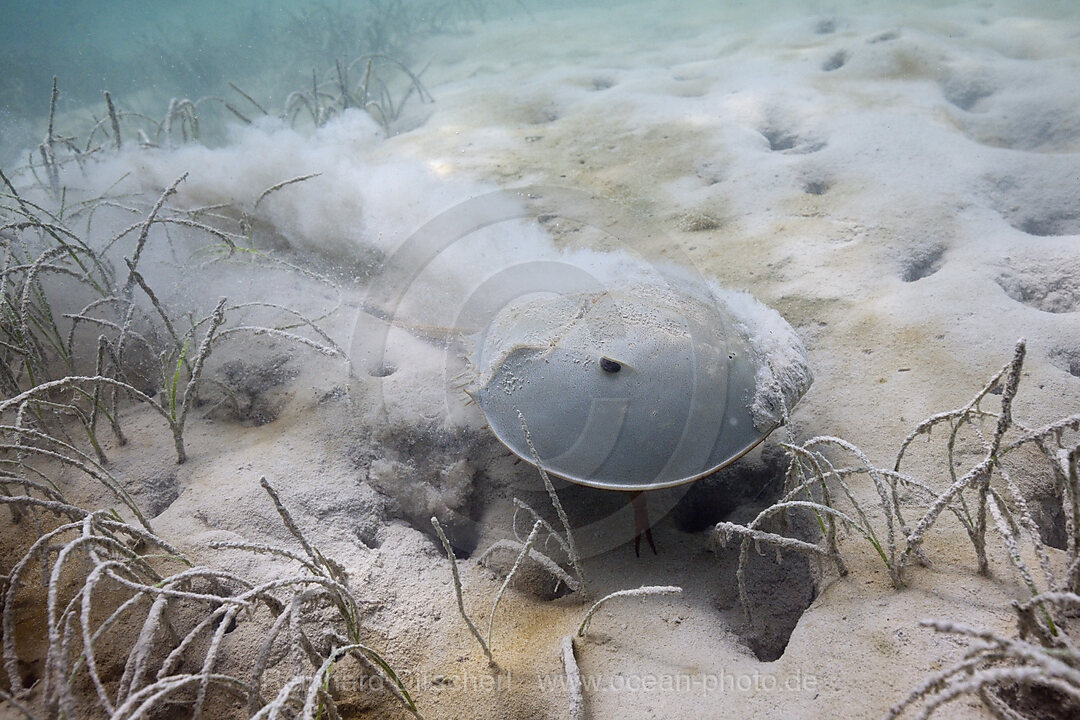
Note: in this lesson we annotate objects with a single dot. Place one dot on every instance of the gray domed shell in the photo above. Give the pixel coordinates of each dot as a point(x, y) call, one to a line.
point(637, 388)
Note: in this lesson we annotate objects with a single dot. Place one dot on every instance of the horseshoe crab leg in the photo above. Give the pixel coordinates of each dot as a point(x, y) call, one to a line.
point(641, 522)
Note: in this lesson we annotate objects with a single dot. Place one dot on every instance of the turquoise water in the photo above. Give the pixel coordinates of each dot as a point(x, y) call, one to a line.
point(146, 53)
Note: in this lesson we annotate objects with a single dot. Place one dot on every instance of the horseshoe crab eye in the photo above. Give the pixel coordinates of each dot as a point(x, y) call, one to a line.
point(610, 366)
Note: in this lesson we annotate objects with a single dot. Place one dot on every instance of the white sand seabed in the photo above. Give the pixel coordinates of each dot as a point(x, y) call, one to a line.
point(903, 187)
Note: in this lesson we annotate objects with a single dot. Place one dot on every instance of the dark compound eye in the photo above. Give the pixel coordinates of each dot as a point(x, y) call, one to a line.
point(609, 365)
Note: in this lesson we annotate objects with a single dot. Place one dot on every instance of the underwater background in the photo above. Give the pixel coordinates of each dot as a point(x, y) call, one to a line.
point(146, 52)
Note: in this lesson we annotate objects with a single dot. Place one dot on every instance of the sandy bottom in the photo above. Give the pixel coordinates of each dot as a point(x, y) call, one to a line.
point(901, 187)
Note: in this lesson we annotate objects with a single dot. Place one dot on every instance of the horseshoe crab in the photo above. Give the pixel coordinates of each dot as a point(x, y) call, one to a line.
point(637, 388)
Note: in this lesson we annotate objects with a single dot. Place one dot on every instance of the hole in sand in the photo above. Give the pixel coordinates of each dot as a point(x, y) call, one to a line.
point(1040, 199)
point(383, 370)
point(779, 139)
point(423, 472)
point(1034, 476)
point(816, 187)
point(784, 140)
point(1054, 223)
point(921, 262)
point(30, 672)
point(1037, 701)
point(964, 91)
point(1038, 120)
point(779, 593)
point(886, 36)
point(1045, 284)
point(1067, 359)
point(531, 578)
point(835, 61)
point(779, 589)
point(154, 493)
point(253, 391)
